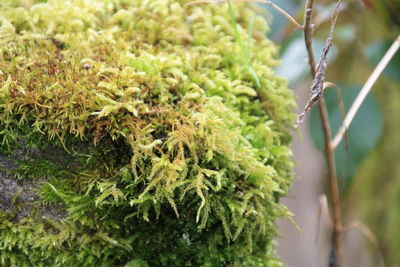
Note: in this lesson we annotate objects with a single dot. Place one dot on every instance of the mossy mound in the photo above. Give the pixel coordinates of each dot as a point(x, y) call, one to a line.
point(157, 131)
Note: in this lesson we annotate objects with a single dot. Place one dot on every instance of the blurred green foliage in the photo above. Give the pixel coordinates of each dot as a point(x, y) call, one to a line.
point(368, 170)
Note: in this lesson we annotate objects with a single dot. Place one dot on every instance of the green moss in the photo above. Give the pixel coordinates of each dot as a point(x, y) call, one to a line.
point(186, 148)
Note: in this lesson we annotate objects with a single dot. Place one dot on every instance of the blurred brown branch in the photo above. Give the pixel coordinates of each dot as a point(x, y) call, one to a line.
point(337, 248)
point(317, 87)
point(364, 91)
point(324, 213)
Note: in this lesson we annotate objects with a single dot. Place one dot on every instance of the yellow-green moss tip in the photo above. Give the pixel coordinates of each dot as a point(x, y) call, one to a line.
point(175, 122)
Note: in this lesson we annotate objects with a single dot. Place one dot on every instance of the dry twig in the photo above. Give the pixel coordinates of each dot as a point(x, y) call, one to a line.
point(337, 251)
point(342, 111)
point(364, 91)
point(339, 94)
point(319, 76)
point(323, 212)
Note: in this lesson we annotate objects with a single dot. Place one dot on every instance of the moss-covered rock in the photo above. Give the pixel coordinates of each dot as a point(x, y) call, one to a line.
point(139, 133)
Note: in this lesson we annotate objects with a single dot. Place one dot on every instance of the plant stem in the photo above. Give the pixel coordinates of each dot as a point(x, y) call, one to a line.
point(329, 152)
point(308, 29)
point(364, 91)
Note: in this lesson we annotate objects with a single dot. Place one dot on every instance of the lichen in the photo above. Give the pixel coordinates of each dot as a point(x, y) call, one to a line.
point(186, 145)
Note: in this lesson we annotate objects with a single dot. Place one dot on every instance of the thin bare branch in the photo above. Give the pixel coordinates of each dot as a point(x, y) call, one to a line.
point(319, 77)
point(370, 236)
point(339, 95)
point(308, 31)
point(321, 18)
point(274, 6)
point(342, 111)
point(333, 182)
point(337, 249)
point(364, 91)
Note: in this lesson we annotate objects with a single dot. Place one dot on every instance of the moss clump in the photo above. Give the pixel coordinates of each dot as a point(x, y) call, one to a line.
point(185, 148)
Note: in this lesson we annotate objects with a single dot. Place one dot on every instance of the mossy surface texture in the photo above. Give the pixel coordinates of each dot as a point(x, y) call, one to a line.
point(158, 132)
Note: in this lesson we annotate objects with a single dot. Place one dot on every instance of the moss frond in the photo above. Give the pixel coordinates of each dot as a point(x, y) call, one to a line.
point(185, 132)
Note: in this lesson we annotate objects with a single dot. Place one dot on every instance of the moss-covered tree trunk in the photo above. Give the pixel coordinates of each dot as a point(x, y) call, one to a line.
point(139, 133)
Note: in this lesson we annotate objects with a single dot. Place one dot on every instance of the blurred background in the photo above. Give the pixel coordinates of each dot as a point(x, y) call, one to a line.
point(369, 169)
